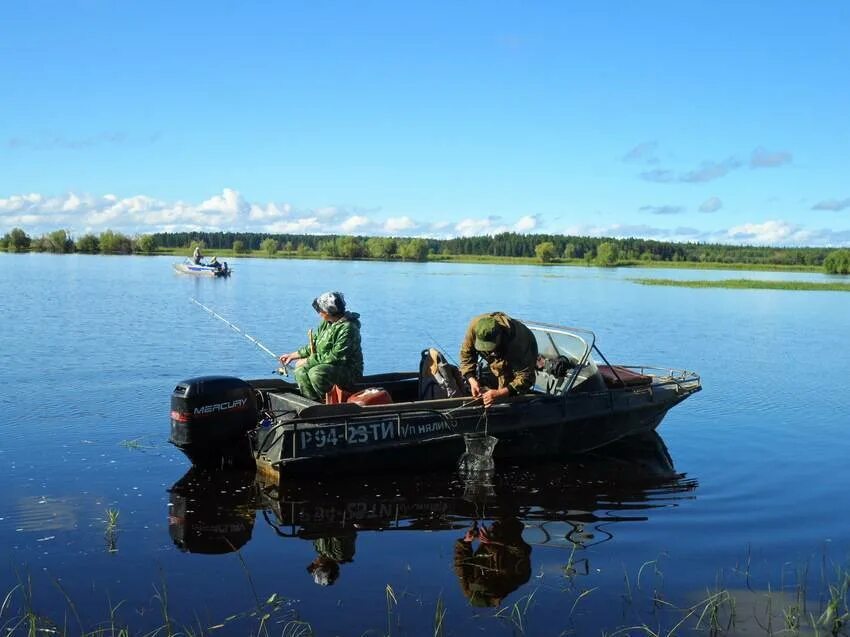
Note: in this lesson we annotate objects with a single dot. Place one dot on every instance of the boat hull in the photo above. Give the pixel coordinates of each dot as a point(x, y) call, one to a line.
point(397, 437)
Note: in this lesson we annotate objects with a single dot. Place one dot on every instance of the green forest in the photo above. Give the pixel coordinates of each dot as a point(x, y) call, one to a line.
point(508, 247)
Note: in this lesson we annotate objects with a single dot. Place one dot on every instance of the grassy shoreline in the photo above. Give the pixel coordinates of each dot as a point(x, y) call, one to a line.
point(226, 253)
point(750, 284)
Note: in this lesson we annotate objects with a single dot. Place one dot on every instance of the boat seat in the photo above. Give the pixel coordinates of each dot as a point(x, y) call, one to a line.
point(549, 383)
point(289, 401)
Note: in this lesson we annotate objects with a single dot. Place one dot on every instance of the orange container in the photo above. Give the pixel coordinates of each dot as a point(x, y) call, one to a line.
point(371, 396)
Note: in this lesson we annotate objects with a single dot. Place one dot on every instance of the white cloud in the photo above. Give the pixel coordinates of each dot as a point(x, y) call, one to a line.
point(270, 212)
point(306, 225)
point(775, 233)
point(526, 223)
point(399, 224)
point(769, 233)
point(229, 210)
point(328, 213)
point(486, 226)
point(354, 223)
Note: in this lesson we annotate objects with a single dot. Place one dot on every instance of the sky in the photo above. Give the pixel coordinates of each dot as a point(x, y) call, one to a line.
point(682, 121)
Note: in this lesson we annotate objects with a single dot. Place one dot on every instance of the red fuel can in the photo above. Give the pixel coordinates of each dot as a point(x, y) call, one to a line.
point(371, 396)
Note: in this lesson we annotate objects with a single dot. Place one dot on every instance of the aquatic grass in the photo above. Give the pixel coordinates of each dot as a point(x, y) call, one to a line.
point(297, 628)
point(749, 284)
point(161, 596)
point(837, 613)
point(627, 596)
point(21, 619)
point(580, 597)
point(656, 571)
point(718, 612)
point(70, 603)
point(136, 444)
point(110, 534)
point(263, 610)
point(571, 568)
point(517, 613)
point(439, 616)
point(112, 516)
point(712, 609)
point(32, 623)
point(392, 602)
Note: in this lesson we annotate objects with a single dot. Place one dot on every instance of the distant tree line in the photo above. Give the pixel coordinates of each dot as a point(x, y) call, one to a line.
point(545, 248)
point(542, 247)
point(61, 242)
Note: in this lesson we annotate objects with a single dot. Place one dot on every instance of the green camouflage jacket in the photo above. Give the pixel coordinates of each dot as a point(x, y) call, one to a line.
point(513, 363)
point(338, 343)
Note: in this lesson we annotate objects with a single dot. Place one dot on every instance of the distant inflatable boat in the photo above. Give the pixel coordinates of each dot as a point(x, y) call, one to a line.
point(203, 269)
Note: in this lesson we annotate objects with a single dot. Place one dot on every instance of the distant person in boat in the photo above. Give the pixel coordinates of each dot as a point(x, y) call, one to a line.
point(197, 257)
point(510, 350)
point(334, 356)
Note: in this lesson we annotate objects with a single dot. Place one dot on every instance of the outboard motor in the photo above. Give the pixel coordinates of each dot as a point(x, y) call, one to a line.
point(210, 420)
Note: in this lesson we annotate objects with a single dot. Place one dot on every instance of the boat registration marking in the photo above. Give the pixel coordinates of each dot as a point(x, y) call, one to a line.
point(367, 433)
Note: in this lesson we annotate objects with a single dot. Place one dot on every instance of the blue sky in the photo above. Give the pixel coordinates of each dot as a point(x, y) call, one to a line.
point(691, 121)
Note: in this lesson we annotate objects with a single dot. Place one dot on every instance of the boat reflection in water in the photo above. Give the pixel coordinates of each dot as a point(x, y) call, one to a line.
point(499, 517)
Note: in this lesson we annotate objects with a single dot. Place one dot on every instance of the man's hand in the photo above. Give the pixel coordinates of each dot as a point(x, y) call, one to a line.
point(286, 359)
point(493, 395)
point(474, 387)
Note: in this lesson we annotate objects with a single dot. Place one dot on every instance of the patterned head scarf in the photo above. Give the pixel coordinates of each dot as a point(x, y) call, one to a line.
point(332, 303)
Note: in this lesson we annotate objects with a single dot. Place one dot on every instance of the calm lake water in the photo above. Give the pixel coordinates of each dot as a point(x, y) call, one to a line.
point(744, 489)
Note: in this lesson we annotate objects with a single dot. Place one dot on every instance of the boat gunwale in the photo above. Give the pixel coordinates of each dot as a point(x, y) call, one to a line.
point(682, 379)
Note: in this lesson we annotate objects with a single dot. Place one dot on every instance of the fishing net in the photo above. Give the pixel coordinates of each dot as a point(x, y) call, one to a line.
point(478, 457)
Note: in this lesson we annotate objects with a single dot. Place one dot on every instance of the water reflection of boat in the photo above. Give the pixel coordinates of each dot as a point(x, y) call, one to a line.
point(212, 512)
point(498, 520)
point(580, 406)
point(624, 479)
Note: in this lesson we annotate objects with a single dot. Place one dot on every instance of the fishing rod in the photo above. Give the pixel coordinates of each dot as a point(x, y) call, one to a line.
point(281, 370)
point(442, 350)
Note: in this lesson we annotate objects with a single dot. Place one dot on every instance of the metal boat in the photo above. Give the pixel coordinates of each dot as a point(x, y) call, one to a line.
point(587, 404)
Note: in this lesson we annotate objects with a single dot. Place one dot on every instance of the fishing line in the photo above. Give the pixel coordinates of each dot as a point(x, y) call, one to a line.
point(442, 349)
point(283, 370)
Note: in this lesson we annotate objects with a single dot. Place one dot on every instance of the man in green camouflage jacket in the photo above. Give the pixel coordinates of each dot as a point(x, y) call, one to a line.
point(510, 350)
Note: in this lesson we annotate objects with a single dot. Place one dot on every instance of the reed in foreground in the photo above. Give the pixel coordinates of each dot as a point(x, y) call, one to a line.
point(790, 609)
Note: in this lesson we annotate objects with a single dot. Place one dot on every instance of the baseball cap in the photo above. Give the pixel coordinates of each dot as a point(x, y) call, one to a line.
point(488, 334)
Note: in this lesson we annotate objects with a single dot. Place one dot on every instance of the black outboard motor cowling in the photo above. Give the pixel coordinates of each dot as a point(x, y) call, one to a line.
point(211, 417)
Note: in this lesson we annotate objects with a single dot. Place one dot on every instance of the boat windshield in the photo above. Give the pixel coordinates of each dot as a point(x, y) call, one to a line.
point(566, 361)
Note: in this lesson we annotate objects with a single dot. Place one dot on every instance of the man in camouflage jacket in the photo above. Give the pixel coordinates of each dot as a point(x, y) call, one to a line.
point(510, 350)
